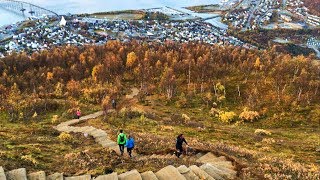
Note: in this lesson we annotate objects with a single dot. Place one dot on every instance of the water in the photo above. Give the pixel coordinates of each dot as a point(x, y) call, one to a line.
point(84, 6)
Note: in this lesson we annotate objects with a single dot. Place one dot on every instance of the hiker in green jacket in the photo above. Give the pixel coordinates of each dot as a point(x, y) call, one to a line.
point(122, 139)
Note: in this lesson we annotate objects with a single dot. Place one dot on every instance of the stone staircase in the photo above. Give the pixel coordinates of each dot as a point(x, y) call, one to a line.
point(211, 168)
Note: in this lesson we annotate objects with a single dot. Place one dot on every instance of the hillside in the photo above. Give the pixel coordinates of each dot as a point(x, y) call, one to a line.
point(259, 109)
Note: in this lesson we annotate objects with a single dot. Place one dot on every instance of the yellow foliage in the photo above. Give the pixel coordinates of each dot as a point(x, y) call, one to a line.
point(30, 159)
point(34, 115)
point(65, 137)
point(54, 119)
point(131, 59)
point(227, 116)
point(49, 76)
point(249, 115)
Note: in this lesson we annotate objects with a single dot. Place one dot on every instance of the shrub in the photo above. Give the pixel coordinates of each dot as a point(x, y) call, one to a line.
point(227, 116)
point(247, 115)
point(268, 140)
point(182, 101)
point(213, 111)
point(65, 137)
point(131, 112)
point(54, 119)
point(29, 158)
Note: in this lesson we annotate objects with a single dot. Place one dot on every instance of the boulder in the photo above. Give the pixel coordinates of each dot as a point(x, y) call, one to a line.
point(169, 172)
point(187, 173)
point(17, 174)
point(2, 174)
point(83, 177)
point(200, 173)
point(55, 176)
point(148, 175)
point(130, 175)
point(41, 175)
point(262, 132)
point(112, 176)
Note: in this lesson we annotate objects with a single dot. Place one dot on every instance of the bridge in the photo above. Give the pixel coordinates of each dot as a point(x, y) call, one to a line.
point(25, 9)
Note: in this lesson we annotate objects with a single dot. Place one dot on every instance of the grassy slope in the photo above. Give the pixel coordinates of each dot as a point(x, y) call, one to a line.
point(37, 141)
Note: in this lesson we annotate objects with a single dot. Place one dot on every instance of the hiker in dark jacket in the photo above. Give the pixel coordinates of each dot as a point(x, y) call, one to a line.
point(121, 141)
point(130, 145)
point(180, 140)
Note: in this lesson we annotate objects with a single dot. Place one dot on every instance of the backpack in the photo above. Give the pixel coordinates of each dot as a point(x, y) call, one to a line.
point(121, 138)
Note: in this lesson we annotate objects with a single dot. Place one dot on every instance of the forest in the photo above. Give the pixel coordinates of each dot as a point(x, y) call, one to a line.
point(264, 81)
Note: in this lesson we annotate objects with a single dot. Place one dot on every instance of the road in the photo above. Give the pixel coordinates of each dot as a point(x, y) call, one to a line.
point(252, 11)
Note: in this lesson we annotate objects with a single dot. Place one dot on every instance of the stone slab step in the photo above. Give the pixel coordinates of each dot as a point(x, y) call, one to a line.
point(17, 174)
point(169, 172)
point(200, 173)
point(148, 175)
point(130, 175)
point(215, 172)
point(187, 173)
point(231, 172)
point(108, 144)
point(206, 157)
point(55, 176)
point(112, 176)
point(2, 174)
point(226, 164)
point(41, 175)
point(83, 177)
point(71, 122)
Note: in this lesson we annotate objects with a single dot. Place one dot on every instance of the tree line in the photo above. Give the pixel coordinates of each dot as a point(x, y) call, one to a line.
point(250, 78)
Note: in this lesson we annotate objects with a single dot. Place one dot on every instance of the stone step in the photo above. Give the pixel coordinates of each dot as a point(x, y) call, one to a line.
point(148, 175)
point(226, 164)
point(198, 155)
point(187, 173)
point(71, 122)
point(104, 140)
point(41, 175)
point(169, 172)
point(55, 176)
point(112, 176)
point(130, 175)
point(215, 172)
point(17, 174)
point(2, 174)
point(200, 173)
point(83, 177)
point(206, 157)
point(108, 144)
point(90, 130)
point(232, 172)
point(99, 133)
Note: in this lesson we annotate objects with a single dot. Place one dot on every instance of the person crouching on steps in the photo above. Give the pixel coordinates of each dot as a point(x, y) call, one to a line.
point(121, 141)
point(130, 145)
point(180, 140)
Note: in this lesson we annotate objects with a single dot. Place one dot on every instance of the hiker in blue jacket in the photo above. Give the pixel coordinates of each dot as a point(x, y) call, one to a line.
point(130, 145)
